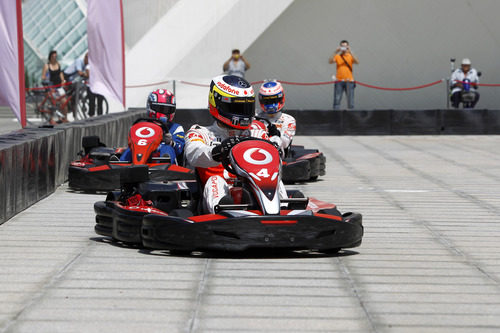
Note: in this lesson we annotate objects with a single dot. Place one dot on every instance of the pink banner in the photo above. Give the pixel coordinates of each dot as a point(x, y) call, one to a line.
point(106, 48)
point(12, 59)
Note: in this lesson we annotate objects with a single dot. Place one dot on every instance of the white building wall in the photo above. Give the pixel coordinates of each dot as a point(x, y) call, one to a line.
point(399, 44)
point(192, 41)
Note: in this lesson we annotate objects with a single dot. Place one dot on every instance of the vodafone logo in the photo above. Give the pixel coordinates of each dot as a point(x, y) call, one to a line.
point(227, 88)
point(247, 156)
point(145, 132)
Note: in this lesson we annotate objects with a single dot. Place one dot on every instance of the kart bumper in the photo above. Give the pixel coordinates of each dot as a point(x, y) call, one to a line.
point(119, 223)
point(107, 177)
point(287, 232)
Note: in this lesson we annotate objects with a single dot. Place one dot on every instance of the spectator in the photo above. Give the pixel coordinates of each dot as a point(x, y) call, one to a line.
point(77, 68)
point(464, 83)
point(344, 59)
point(52, 70)
point(93, 97)
point(236, 65)
point(52, 75)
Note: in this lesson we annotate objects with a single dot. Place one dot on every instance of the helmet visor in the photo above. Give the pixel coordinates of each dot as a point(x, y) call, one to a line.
point(162, 108)
point(274, 99)
point(244, 107)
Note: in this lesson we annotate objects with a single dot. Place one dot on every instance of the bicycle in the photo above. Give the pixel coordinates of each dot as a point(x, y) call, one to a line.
point(82, 101)
point(49, 102)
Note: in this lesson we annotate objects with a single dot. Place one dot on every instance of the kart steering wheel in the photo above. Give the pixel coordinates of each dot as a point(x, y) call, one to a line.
point(270, 127)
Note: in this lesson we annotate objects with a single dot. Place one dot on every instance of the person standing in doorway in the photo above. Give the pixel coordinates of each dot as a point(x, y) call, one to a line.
point(344, 80)
point(236, 65)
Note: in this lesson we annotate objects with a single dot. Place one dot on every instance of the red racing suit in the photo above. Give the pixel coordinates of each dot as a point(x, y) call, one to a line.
point(200, 141)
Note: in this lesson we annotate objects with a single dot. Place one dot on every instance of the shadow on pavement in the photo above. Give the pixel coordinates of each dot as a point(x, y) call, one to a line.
point(248, 254)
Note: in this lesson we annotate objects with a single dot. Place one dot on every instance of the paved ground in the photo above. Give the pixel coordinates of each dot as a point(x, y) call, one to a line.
point(429, 262)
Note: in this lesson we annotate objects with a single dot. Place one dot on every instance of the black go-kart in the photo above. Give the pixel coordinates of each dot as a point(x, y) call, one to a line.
point(299, 163)
point(99, 167)
point(168, 215)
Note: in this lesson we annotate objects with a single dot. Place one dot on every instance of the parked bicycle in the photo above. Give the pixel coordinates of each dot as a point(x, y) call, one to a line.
point(54, 103)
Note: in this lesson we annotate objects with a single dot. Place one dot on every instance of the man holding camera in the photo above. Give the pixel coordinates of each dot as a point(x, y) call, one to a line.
point(236, 65)
point(344, 80)
point(464, 84)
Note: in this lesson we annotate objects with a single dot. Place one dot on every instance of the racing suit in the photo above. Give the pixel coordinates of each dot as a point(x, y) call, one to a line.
point(285, 123)
point(173, 148)
point(198, 152)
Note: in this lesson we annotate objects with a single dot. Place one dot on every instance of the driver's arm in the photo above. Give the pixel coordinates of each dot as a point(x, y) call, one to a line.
point(178, 135)
point(198, 148)
point(288, 131)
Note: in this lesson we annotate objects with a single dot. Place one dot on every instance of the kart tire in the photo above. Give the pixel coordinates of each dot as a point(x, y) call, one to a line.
point(296, 194)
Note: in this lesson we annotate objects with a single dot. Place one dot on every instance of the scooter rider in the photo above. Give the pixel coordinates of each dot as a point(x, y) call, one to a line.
point(272, 100)
point(232, 104)
point(161, 106)
point(464, 83)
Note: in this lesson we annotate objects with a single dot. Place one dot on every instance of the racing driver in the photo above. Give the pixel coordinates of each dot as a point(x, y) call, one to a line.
point(232, 104)
point(283, 126)
point(161, 106)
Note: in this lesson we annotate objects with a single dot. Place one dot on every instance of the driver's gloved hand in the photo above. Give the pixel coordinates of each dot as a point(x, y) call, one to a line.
point(222, 150)
point(167, 139)
point(272, 130)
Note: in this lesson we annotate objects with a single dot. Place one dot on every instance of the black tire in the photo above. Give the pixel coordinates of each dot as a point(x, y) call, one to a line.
point(296, 194)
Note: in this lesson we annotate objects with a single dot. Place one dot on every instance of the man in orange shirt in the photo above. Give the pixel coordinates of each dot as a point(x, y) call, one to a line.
point(344, 59)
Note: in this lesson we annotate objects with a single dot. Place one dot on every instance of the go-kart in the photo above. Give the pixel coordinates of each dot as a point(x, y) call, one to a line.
point(168, 216)
point(99, 167)
point(299, 164)
point(302, 165)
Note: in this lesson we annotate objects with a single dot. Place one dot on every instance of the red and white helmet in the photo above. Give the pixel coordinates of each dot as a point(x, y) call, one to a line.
point(232, 101)
point(161, 105)
point(271, 97)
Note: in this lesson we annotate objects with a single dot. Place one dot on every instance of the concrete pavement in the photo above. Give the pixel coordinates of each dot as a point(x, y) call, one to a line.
point(429, 262)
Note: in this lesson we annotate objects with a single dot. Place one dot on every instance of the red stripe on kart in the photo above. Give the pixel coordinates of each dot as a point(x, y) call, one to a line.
point(174, 167)
point(331, 217)
point(278, 221)
point(207, 217)
point(100, 168)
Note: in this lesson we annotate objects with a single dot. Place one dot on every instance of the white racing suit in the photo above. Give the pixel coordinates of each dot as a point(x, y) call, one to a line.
point(198, 153)
point(286, 125)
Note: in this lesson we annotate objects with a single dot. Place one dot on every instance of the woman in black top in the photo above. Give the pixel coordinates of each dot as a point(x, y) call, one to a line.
point(52, 72)
point(53, 69)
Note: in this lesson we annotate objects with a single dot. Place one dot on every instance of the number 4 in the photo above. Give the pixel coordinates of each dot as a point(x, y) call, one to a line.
point(263, 173)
